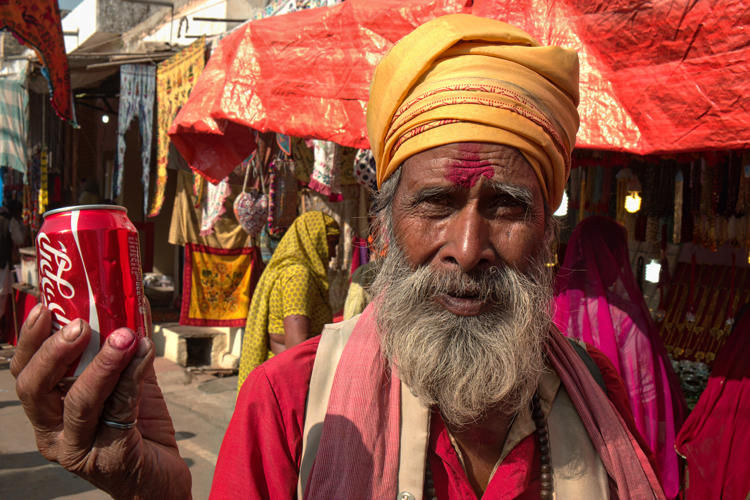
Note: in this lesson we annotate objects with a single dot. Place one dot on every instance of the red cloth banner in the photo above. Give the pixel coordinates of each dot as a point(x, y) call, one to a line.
point(36, 24)
point(656, 77)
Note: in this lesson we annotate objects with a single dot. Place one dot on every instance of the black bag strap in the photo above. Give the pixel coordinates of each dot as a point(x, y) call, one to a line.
point(590, 364)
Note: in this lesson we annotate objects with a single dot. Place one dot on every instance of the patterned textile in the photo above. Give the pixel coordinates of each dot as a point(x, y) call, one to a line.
point(137, 91)
point(218, 285)
point(285, 197)
point(295, 292)
point(186, 220)
point(346, 165)
point(213, 207)
point(175, 78)
point(285, 143)
point(364, 169)
point(14, 122)
point(251, 210)
point(305, 245)
point(326, 178)
point(304, 159)
point(36, 23)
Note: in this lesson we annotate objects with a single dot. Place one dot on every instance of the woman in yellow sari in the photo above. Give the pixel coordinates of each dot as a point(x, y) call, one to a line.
point(290, 303)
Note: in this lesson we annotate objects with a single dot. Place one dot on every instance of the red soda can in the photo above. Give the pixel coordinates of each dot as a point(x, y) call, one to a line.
point(90, 268)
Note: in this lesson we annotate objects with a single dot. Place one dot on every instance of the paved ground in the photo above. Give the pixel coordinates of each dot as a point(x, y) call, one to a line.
point(200, 405)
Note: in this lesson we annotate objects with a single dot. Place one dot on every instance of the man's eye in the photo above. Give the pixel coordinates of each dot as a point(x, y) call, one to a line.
point(440, 199)
point(506, 201)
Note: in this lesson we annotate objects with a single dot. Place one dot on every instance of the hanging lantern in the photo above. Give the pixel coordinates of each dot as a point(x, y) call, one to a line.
point(633, 200)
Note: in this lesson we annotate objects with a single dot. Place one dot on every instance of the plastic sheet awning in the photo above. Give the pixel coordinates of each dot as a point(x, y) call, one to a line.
point(656, 77)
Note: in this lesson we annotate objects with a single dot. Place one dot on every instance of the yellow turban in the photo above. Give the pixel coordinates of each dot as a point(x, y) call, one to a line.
point(462, 78)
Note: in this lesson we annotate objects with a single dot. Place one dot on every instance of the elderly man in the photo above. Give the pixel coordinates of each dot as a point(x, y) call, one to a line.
point(453, 383)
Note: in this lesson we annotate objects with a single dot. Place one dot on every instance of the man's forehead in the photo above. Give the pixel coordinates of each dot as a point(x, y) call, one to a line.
point(464, 164)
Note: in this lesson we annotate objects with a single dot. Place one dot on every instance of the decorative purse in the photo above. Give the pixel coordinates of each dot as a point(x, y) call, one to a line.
point(251, 209)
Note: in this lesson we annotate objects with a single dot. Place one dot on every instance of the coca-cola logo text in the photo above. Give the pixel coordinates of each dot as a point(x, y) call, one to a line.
point(52, 264)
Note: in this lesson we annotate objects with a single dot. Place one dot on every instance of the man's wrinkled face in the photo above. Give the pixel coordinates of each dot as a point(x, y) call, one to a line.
point(463, 292)
point(468, 206)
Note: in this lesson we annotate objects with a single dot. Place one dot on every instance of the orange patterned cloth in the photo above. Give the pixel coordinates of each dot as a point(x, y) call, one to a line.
point(36, 24)
point(175, 78)
point(218, 285)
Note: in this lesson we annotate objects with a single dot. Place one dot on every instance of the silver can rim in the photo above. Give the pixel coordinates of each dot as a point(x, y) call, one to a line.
point(84, 207)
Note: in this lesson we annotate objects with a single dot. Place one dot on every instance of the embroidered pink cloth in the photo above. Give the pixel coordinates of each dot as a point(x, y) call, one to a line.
point(599, 302)
point(359, 444)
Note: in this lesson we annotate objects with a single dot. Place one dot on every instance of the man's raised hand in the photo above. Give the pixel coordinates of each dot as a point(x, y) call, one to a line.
point(118, 386)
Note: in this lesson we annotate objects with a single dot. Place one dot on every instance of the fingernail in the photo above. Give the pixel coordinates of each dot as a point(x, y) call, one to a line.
point(73, 330)
point(122, 338)
point(34, 315)
point(144, 345)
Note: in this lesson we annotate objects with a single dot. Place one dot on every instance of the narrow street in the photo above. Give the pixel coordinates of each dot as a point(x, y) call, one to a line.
point(200, 405)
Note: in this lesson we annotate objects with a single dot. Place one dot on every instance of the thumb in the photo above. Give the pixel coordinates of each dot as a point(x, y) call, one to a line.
point(122, 405)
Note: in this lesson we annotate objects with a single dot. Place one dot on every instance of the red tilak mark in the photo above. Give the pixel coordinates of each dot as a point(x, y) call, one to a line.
point(468, 177)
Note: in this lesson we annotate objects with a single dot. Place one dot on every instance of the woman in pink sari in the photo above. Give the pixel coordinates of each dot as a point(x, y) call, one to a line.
point(599, 302)
point(716, 436)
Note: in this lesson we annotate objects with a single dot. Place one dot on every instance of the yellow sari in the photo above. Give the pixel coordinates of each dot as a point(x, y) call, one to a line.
point(303, 245)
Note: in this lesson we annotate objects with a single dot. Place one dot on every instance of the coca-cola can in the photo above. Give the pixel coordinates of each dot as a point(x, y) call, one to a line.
point(90, 268)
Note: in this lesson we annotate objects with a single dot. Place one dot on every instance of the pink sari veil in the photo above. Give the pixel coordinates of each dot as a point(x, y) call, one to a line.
point(715, 437)
point(598, 301)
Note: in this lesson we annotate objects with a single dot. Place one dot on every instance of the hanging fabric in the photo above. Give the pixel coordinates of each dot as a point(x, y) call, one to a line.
point(304, 159)
point(606, 191)
point(734, 166)
point(743, 196)
point(185, 225)
point(251, 209)
point(137, 92)
point(364, 169)
point(285, 143)
point(623, 178)
point(282, 196)
point(175, 78)
point(598, 189)
point(218, 285)
point(346, 167)
point(14, 121)
point(325, 176)
point(37, 24)
point(213, 206)
point(43, 182)
point(198, 182)
point(679, 182)
point(652, 229)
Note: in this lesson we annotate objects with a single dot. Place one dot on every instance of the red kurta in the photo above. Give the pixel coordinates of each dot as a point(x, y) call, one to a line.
point(261, 452)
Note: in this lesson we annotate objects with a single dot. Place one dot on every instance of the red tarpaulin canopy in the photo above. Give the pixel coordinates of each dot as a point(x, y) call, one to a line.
point(656, 77)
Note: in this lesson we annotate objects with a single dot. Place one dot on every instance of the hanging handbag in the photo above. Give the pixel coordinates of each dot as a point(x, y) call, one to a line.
point(251, 209)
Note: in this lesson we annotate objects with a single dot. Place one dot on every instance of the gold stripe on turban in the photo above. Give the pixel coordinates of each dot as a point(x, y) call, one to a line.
point(462, 78)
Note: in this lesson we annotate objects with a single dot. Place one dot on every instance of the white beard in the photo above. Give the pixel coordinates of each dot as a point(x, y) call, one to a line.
point(465, 366)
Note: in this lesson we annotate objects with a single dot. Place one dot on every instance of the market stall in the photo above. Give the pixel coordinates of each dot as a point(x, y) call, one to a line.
point(655, 78)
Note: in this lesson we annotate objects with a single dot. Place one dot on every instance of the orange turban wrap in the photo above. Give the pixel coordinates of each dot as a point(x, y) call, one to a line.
point(462, 78)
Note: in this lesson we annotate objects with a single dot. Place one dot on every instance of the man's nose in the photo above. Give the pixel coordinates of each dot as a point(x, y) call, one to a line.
point(468, 243)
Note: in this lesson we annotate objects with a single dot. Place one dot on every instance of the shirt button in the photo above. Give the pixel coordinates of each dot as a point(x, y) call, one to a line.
point(405, 495)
